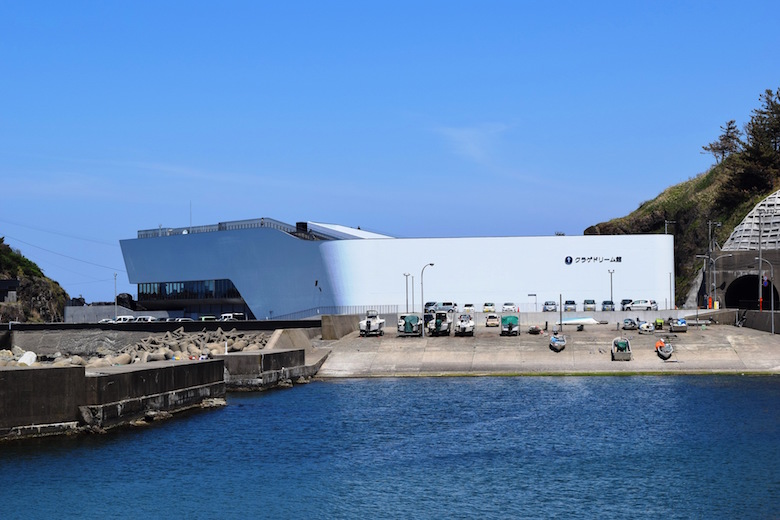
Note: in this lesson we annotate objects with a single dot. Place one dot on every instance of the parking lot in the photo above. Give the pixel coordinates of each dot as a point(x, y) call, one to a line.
point(703, 349)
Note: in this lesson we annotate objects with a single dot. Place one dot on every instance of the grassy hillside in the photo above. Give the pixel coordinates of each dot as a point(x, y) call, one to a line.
point(39, 299)
point(691, 204)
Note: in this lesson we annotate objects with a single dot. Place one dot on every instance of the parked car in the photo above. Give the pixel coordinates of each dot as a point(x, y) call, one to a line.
point(623, 304)
point(550, 306)
point(492, 321)
point(106, 320)
point(184, 319)
point(447, 306)
point(569, 305)
point(509, 307)
point(468, 308)
point(430, 307)
point(607, 305)
point(125, 319)
point(489, 307)
point(589, 305)
point(639, 305)
point(207, 318)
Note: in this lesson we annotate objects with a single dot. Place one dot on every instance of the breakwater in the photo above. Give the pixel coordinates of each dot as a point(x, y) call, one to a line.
point(135, 381)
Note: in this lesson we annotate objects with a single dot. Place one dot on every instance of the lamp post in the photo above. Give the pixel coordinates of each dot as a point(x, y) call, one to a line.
point(534, 295)
point(772, 287)
point(115, 313)
point(406, 279)
point(611, 272)
point(412, 293)
point(422, 295)
point(714, 286)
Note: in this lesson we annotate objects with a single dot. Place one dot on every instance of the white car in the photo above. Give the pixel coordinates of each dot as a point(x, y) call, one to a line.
point(489, 307)
point(468, 308)
point(509, 307)
point(640, 305)
point(550, 306)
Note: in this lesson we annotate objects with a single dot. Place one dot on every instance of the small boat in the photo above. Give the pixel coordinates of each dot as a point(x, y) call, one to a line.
point(629, 324)
point(372, 325)
point(678, 325)
point(509, 326)
point(534, 329)
point(646, 327)
point(557, 343)
point(621, 349)
point(410, 325)
point(663, 349)
point(464, 325)
point(440, 324)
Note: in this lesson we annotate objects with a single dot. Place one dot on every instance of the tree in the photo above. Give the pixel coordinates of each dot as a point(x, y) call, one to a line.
point(728, 143)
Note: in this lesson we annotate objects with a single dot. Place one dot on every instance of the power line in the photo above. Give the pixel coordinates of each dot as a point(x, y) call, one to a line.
point(65, 256)
point(58, 233)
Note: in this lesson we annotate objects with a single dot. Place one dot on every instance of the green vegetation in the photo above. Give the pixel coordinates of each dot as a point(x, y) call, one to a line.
point(747, 170)
point(38, 298)
point(14, 265)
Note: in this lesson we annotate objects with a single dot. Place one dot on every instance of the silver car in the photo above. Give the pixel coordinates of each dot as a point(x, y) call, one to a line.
point(569, 305)
point(607, 305)
point(589, 305)
point(550, 306)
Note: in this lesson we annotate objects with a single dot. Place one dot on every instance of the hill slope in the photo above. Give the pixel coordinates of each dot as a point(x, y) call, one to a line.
point(39, 299)
point(747, 172)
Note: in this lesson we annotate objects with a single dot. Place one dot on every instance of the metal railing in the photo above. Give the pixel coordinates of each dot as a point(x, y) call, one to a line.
point(233, 225)
point(316, 312)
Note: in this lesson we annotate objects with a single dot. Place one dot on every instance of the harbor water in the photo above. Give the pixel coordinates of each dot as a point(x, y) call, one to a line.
point(488, 447)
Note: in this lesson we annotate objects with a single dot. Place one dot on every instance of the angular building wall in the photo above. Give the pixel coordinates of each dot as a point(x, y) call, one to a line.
point(277, 273)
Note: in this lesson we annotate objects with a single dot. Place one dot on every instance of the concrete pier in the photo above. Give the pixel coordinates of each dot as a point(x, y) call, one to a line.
point(703, 349)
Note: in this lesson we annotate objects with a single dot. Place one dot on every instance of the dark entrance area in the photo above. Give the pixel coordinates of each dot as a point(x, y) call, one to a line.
point(742, 293)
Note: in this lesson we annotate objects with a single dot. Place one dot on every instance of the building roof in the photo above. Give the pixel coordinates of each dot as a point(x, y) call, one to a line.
point(343, 232)
point(763, 221)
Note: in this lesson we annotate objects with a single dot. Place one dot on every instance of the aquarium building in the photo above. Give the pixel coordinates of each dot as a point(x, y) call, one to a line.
point(273, 270)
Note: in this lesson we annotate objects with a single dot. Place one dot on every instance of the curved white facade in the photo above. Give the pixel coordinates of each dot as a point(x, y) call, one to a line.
point(278, 273)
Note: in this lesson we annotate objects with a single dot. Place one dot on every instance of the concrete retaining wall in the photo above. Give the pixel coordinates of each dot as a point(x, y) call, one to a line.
point(762, 320)
point(288, 339)
point(338, 326)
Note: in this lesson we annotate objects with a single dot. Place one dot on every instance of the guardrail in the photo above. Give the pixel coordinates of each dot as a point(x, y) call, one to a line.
point(316, 312)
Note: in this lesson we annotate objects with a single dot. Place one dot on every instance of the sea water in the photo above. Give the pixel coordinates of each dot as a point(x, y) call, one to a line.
point(524, 447)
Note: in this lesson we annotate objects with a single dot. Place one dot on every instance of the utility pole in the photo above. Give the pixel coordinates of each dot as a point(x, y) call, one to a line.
point(710, 223)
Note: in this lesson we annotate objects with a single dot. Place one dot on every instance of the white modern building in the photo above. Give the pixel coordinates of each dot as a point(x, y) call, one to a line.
point(276, 270)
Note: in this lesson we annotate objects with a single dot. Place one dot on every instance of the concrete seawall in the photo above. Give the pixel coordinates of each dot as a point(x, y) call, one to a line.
point(704, 349)
point(43, 401)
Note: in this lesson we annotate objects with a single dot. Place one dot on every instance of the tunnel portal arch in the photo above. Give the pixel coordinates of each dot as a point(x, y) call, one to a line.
point(742, 293)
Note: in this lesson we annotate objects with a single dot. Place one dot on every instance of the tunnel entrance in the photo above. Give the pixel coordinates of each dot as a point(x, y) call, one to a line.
point(742, 293)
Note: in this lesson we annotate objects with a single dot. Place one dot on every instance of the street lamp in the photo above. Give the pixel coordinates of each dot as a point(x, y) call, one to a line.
point(772, 287)
point(412, 293)
point(534, 295)
point(611, 272)
point(406, 278)
point(422, 296)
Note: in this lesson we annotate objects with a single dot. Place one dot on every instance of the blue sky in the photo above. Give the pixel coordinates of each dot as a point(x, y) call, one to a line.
point(413, 119)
